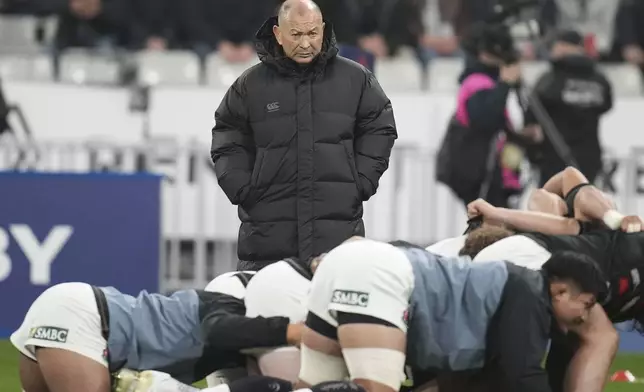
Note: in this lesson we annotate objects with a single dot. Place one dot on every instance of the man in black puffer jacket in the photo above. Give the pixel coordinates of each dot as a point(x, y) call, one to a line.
point(300, 141)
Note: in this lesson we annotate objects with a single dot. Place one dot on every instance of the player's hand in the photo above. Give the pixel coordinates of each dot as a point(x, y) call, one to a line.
point(480, 207)
point(632, 224)
point(294, 334)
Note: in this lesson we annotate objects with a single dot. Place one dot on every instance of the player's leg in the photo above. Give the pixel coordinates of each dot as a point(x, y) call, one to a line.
point(374, 351)
point(62, 339)
point(543, 201)
point(371, 300)
point(31, 377)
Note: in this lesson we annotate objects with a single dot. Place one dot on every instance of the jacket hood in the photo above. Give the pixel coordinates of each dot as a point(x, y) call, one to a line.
point(578, 64)
point(271, 53)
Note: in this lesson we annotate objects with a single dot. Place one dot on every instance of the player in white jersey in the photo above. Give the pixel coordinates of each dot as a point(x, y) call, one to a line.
point(278, 289)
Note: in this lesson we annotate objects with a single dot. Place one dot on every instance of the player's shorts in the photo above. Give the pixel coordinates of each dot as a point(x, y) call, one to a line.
point(64, 316)
point(450, 247)
point(230, 284)
point(517, 249)
point(363, 277)
point(278, 290)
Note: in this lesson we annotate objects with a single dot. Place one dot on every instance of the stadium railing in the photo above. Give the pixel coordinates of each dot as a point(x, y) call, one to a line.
point(200, 225)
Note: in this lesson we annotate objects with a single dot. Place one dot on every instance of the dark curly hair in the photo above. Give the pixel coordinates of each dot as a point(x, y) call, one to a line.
point(579, 269)
point(481, 238)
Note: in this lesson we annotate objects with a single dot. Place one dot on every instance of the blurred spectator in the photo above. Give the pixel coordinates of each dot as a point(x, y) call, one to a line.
point(630, 32)
point(152, 24)
point(480, 129)
point(594, 19)
point(576, 95)
point(227, 26)
point(95, 24)
point(439, 39)
point(464, 13)
point(380, 27)
point(31, 7)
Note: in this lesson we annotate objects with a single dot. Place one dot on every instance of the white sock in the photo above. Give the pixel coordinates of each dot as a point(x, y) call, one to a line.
point(163, 382)
point(218, 388)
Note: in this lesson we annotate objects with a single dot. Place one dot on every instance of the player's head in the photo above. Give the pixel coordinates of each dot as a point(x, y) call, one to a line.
point(481, 238)
point(576, 284)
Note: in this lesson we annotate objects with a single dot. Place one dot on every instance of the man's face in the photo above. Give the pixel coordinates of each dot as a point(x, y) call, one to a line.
point(570, 308)
point(301, 36)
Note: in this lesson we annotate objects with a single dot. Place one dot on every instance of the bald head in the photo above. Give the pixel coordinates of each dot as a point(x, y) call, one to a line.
point(300, 30)
point(299, 8)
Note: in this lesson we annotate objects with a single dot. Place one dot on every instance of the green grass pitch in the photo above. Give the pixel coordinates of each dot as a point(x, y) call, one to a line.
point(9, 381)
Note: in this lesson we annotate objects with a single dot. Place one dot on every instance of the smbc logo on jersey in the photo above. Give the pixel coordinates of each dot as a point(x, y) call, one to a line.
point(351, 298)
point(52, 334)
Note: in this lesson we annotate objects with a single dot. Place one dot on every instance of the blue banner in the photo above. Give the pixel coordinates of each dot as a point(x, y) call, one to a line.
point(630, 340)
point(101, 229)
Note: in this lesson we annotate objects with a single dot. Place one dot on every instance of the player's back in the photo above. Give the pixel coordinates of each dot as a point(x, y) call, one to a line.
point(621, 258)
point(625, 271)
point(154, 331)
point(597, 244)
point(451, 305)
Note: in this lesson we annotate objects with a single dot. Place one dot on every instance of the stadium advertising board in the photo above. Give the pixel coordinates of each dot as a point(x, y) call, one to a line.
point(102, 229)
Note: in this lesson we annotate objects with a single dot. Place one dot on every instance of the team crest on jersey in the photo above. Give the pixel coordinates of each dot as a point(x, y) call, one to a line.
point(52, 334)
point(351, 298)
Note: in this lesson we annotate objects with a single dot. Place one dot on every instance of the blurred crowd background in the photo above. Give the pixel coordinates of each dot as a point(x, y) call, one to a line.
point(422, 30)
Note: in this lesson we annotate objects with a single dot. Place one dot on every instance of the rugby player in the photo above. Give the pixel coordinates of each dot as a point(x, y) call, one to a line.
point(74, 335)
point(567, 194)
point(279, 289)
point(618, 253)
point(374, 307)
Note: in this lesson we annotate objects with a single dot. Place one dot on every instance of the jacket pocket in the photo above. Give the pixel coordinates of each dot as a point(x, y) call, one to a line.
point(257, 168)
point(352, 165)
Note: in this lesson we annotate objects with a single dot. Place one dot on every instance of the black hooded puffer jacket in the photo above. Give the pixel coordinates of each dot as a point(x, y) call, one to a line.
point(299, 149)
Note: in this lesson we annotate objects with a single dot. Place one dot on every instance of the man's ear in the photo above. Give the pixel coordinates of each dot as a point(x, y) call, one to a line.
point(278, 34)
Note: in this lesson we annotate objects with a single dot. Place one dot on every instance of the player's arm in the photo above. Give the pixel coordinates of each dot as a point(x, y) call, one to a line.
point(524, 220)
point(520, 338)
point(599, 341)
point(224, 326)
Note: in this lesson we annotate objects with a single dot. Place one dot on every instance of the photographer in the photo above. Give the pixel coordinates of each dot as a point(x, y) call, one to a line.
point(575, 95)
point(479, 156)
